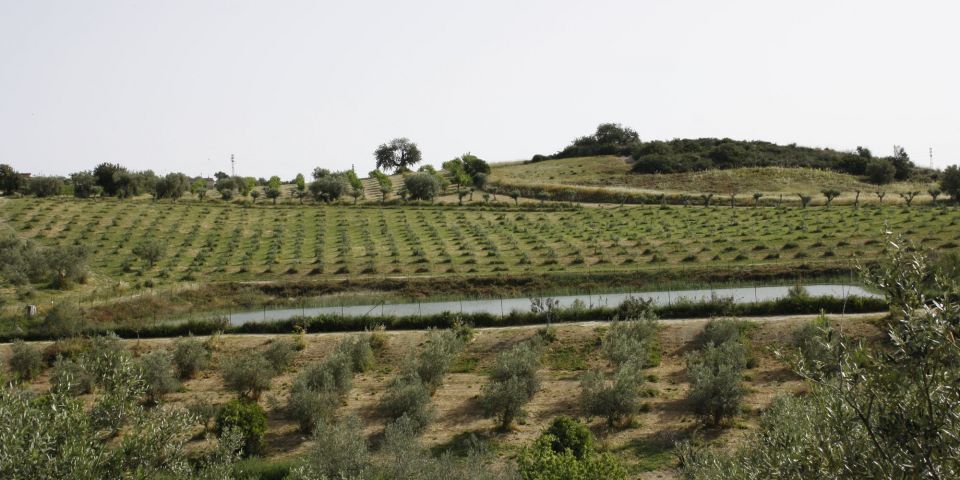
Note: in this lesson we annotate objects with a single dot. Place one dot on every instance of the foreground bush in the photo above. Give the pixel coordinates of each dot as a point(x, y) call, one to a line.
point(616, 399)
point(715, 373)
point(437, 354)
point(280, 354)
point(157, 372)
point(53, 435)
point(359, 350)
point(247, 419)
point(513, 382)
point(190, 356)
point(885, 412)
point(569, 434)
point(25, 361)
point(322, 386)
point(407, 396)
point(542, 462)
point(632, 341)
point(248, 374)
point(340, 451)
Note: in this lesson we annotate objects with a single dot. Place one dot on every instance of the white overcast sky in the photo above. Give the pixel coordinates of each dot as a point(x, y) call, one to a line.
point(289, 85)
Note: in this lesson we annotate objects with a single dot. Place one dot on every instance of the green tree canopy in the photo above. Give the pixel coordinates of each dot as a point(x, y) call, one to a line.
point(398, 154)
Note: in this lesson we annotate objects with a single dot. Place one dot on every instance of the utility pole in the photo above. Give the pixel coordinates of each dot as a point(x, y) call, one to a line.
point(931, 158)
point(233, 171)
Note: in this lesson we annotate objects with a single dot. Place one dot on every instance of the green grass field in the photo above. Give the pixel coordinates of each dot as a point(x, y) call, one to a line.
point(213, 241)
point(614, 173)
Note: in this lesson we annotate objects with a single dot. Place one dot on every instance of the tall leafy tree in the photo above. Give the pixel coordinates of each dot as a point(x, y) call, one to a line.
point(11, 181)
point(110, 177)
point(950, 182)
point(398, 154)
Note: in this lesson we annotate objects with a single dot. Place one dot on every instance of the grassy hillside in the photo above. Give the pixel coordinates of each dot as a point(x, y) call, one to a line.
point(645, 445)
point(615, 173)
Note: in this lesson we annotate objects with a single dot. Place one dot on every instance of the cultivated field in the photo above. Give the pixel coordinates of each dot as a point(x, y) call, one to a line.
point(213, 241)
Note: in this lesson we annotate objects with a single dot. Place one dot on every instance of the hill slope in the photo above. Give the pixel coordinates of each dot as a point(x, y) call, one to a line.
point(615, 173)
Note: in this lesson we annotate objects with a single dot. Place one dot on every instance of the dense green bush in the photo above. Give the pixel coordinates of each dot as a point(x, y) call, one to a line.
point(632, 341)
point(722, 330)
point(359, 350)
point(715, 374)
point(814, 343)
point(513, 382)
point(247, 373)
point(339, 451)
point(190, 356)
point(25, 362)
point(616, 399)
point(308, 406)
point(569, 434)
point(437, 354)
point(51, 435)
point(541, 462)
point(70, 377)
point(422, 186)
point(158, 375)
point(407, 396)
point(280, 354)
point(320, 387)
point(246, 418)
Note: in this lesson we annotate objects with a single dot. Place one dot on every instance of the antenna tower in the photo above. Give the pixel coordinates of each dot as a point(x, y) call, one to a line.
point(233, 171)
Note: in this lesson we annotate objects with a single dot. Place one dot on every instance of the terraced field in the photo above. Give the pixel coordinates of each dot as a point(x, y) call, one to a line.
point(220, 242)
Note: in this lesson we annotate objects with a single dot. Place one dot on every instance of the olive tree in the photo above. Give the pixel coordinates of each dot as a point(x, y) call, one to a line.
point(879, 411)
point(513, 382)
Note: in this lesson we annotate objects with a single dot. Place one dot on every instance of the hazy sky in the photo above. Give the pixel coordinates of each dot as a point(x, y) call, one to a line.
point(290, 85)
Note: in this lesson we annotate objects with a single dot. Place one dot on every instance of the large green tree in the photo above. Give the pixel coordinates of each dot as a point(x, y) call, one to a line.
point(950, 182)
point(398, 154)
point(11, 181)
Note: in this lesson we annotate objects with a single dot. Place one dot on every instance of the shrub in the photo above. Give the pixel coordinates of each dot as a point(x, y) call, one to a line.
point(248, 374)
point(280, 354)
point(438, 352)
point(25, 361)
point(339, 450)
point(614, 400)
point(720, 331)
point(157, 375)
point(190, 356)
point(541, 462)
point(569, 434)
point(715, 374)
point(407, 396)
point(70, 377)
point(247, 418)
point(513, 382)
point(334, 375)
point(814, 342)
point(307, 406)
point(422, 186)
point(204, 412)
point(359, 350)
point(634, 340)
point(63, 320)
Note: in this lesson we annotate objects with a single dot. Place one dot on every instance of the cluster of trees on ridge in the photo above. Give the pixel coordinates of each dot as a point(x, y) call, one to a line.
point(399, 155)
point(690, 155)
